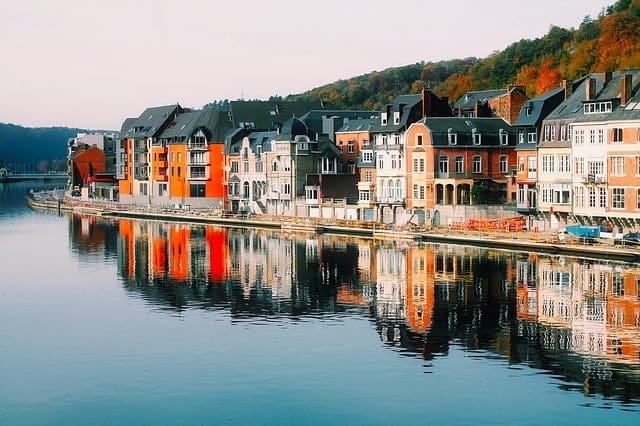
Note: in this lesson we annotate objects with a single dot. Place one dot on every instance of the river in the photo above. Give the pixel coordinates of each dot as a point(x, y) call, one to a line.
point(124, 321)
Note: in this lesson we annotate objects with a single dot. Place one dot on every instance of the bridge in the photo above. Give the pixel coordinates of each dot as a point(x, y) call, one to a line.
point(18, 177)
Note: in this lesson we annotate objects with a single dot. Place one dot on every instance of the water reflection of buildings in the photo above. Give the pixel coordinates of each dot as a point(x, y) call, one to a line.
point(575, 317)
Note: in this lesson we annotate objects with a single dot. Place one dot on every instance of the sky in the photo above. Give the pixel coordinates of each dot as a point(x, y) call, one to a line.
point(92, 63)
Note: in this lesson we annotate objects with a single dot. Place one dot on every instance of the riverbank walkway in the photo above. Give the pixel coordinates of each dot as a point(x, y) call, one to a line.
point(526, 240)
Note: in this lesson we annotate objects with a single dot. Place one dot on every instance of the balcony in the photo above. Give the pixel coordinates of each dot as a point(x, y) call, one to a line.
point(198, 161)
point(390, 200)
point(197, 146)
point(198, 176)
point(594, 178)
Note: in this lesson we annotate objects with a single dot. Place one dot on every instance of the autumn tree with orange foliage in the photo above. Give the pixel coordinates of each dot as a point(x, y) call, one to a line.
point(619, 45)
point(528, 77)
point(548, 77)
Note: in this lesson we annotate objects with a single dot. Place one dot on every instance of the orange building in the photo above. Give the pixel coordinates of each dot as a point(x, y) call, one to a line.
point(447, 157)
point(87, 162)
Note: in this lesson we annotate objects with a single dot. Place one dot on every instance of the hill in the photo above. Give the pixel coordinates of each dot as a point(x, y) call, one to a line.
point(607, 43)
point(29, 148)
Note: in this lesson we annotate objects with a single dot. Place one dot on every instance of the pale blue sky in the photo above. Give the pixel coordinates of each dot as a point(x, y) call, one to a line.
point(92, 63)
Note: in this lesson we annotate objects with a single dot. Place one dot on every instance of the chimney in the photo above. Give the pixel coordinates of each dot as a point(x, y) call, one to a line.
point(567, 85)
point(590, 88)
point(625, 88)
point(606, 77)
point(426, 102)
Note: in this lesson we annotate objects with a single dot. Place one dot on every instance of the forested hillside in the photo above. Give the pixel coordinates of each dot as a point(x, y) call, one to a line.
point(608, 42)
point(41, 147)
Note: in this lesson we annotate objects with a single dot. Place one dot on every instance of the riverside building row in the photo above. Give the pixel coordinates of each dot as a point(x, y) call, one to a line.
point(572, 154)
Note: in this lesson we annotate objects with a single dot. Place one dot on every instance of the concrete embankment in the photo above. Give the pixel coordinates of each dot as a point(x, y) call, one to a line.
point(520, 241)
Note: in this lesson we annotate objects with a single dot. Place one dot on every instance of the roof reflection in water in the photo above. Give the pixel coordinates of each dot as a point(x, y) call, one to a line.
point(575, 318)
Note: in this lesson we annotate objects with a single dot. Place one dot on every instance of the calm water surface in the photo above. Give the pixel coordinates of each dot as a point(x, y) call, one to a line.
point(142, 322)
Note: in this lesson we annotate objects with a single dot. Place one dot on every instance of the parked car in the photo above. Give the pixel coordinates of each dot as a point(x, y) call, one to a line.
point(631, 238)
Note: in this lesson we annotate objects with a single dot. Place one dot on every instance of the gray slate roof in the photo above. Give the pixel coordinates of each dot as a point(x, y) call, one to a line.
point(469, 99)
point(153, 120)
point(535, 110)
point(268, 115)
point(489, 128)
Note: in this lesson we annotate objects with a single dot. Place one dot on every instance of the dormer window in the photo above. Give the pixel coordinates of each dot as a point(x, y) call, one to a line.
point(503, 136)
point(396, 117)
point(476, 136)
point(597, 107)
point(383, 118)
point(452, 137)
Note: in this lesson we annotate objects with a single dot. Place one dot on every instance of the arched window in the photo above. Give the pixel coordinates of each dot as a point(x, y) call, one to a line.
point(245, 190)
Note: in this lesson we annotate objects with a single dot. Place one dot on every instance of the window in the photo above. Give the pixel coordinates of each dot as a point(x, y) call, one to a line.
point(234, 167)
point(618, 198)
point(504, 164)
point(351, 168)
point(548, 163)
point(452, 137)
point(396, 139)
point(367, 176)
point(383, 118)
point(367, 156)
point(504, 137)
point(396, 117)
point(422, 164)
point(421, 192)
point(245, 166)
point(521, 136)
point(286, 166)
point(521, 164)
point(196, 190)
point(259, 167)
point(617, 166)
point(443, 166)
point(312, 193)
point(532, 167)
point(459, 164)
point(415, 164)
point(564, 163)
point(394, 163)
point(579, 166)
point(603, 196)
point(415, 191)
point(578, 136)
point(532, 137)
point(592, 136)
point(162, 190)
point(365, 195)
point(638, 199)
point(419, 140)
point(595, 167)
point(600, 136)
point(477, 164)
point(380, 163)
point(328, 165)
point(286, 188)
point(476, 136)
point(351, 147)
point(274, 166)
point(143, 189)
point(563, 132)
point(617, 135)
point(592, 197)
point(365, 142)
point(579, 196)
point(597, 107)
